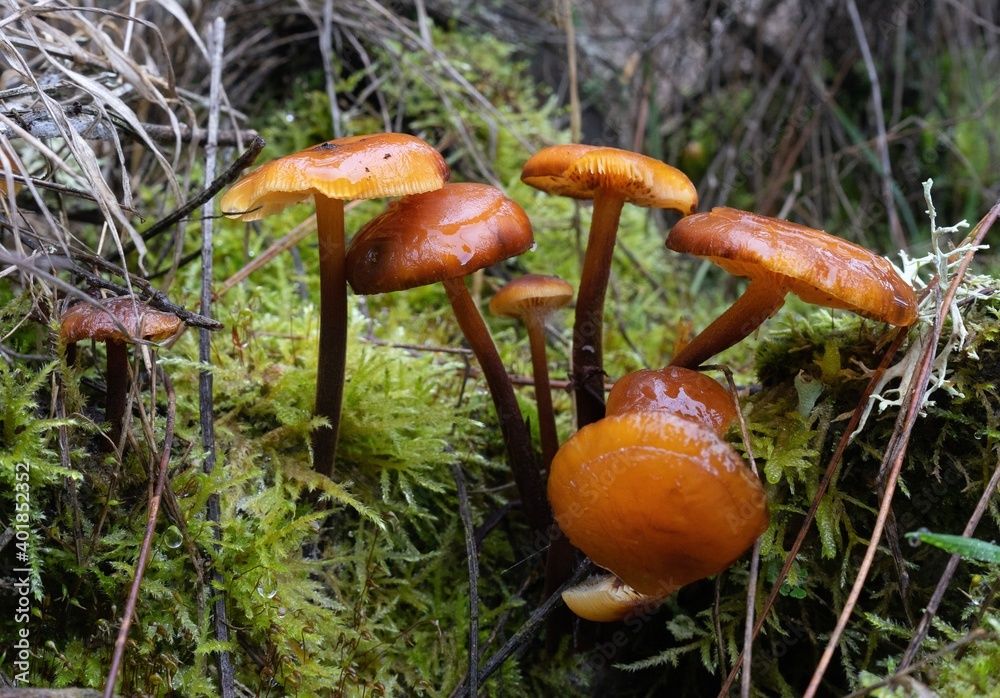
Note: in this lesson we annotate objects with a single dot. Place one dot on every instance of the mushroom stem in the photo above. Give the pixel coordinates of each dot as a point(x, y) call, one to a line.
point(535, 322)
point(588, 336)
point(516, 438)
point(332, 330)
point(116, 396)
point(762, 299)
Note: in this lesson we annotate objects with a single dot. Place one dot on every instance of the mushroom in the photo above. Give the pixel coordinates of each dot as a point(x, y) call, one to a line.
point(358, 167)
point(680, 391)
point(778, 256)
point(444, 236)
point(657, 499)
point(606, 598)
point(610, 177)
point(117, 322)
point(532, 298)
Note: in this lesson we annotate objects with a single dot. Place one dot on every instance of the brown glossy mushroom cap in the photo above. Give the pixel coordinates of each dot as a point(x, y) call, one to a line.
point(86, 321)
point(443, 234)
point(606, 598)
point(579, 171)
point(657, 499)
point(818, 267)
point(680, 391)
point(357, 167)
point(529, 294)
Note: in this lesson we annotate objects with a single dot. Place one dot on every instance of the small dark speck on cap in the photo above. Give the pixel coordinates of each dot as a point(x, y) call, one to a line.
point(367, 170)
point(326, 146)
point(387, 156)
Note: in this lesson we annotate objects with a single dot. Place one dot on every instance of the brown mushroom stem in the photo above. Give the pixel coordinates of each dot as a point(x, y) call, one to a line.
point(535, 322)
point(116, 382)
point(332, 358)
point(516, 438)
point(588, 358)
point(762, 299)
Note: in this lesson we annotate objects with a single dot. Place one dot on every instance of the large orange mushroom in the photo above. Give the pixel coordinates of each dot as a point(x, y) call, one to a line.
point(610, 177)
point(445, 235)
point(778, 256)
point(657, 499)
point(357, 167)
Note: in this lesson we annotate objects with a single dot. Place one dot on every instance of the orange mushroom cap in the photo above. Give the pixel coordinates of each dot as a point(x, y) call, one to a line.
point(657, 499)
point(818, 267)
point(86, 321)
point(680, 391)
point(443, 234)
point(579, 171)
point(357, 167)
point(531, 293)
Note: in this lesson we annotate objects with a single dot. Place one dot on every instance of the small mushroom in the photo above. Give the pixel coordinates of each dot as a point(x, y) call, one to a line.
point(679, 391)
point(358, 167)
point(532, 298)
point(657, 499)
point(778, 256)
point(610, 177)
point(606, 598)
point(117, 322)
point(445, 235)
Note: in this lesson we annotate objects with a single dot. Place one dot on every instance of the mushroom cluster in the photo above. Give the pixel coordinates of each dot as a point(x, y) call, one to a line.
point(648, 487)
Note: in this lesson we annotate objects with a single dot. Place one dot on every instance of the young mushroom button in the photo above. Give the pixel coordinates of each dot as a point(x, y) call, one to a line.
point(610, 177)
point(657, 499)
point(117, 322)
point(778, 256)
point(444, 236)
point(680, 391)
point(358, 167)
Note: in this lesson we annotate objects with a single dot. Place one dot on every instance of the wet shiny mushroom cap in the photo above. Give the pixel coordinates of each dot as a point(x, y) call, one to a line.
point(85, 321)
point(357, 167)
point(657, 499)
point(531, 293)
point(443, 234)
point(679, 391)
point(818, 267)
point(579, 171)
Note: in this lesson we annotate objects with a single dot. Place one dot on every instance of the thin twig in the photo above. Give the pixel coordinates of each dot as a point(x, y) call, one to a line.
point(231, 174)
point(473, 559)
point(205, 403)
point(526, 632)
point(748, 634)
point(895, 229)
point(147, 540)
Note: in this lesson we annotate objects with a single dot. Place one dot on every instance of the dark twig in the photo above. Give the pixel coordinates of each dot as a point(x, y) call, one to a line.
point(148, 293)
point(147, 540)
point(472, 679)
point(526, 632)
point(225, 179)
